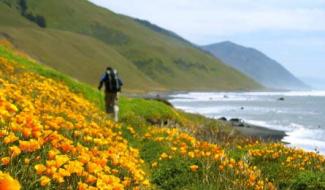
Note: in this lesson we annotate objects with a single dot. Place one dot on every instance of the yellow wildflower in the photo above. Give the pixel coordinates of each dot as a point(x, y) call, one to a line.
point(44, 181)
point(8, 183)
point(5, 161)
point(194, 168)
point(40, 168)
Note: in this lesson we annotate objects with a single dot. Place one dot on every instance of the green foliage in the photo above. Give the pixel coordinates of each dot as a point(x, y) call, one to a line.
point(175, 174)
point(132, 118)
point(151, 111)
point(283, 173)
point(39, 20)
point(108, 35)
point(183, 64)
point(151, 150)
point(153, 67)
point(23, 6)
point(308, 180)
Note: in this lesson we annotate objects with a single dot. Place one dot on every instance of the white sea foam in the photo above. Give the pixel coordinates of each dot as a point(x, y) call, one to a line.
point(289, 93)
point(203, 97)
point(305, 133)
point(305, 143)
point(270, 125)
point(298, 135)
point(301, 118)
point(207, 110)
point(241, 96)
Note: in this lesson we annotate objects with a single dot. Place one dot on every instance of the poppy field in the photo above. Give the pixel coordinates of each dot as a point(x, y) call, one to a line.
point(54, 138)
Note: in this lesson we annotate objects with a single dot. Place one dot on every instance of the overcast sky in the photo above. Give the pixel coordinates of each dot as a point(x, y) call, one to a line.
point(289, 31)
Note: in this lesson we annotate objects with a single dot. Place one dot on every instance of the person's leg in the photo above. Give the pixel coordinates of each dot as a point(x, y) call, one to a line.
point(109, 102)
point(116, 108)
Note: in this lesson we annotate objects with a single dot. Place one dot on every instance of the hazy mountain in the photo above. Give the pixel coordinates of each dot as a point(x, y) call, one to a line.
point(256, 65)
point(80, 39)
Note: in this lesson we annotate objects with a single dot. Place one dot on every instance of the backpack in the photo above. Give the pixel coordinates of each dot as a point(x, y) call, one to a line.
point(113, 82)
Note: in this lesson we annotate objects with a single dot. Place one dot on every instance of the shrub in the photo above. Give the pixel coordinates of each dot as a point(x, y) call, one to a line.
point(309, 181)
point(39, 20)
point(175, 174)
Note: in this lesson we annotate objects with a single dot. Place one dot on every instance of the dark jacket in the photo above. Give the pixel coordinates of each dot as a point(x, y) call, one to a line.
point(112, 81)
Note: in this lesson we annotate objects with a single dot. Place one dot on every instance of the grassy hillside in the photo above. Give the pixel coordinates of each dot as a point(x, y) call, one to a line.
point(53, 135)
point(80, 39)
point(74, 47)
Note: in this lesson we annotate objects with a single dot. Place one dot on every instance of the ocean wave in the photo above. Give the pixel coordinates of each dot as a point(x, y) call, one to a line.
point(299, 118)
point(208, 111)
point(298, 135)
point(306, 133)
point(272, 125)
point(289, 93)
point(212, 98)
point(306, 143)
point(241, 96)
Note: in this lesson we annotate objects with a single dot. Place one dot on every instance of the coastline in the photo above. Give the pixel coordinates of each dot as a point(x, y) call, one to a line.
point(293, 117)
point(255, 131)
point(246, 129)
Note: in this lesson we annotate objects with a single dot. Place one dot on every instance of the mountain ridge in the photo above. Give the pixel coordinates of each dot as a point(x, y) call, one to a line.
point(256, 65)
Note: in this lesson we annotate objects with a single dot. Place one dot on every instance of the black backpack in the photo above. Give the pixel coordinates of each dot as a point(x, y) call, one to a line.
point(113, 82)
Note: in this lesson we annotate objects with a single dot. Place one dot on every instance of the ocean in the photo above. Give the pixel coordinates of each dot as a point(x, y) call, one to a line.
point(301, 114)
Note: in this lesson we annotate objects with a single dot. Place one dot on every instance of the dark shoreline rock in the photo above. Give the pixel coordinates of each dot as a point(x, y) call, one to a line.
point(222, 119)
point(255, 131)
point(237, 122)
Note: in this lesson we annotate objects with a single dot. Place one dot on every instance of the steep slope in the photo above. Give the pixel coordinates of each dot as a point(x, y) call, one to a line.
point(77, 55)
point(81, 35)
point(65, 139)
point(53, 136)
point(256, 65)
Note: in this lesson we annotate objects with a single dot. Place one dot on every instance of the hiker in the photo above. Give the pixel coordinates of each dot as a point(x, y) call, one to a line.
point(113, 85)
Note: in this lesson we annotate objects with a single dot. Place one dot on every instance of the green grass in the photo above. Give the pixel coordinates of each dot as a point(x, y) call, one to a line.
point(82, 39)
point(76, 55)
point(150, 110)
